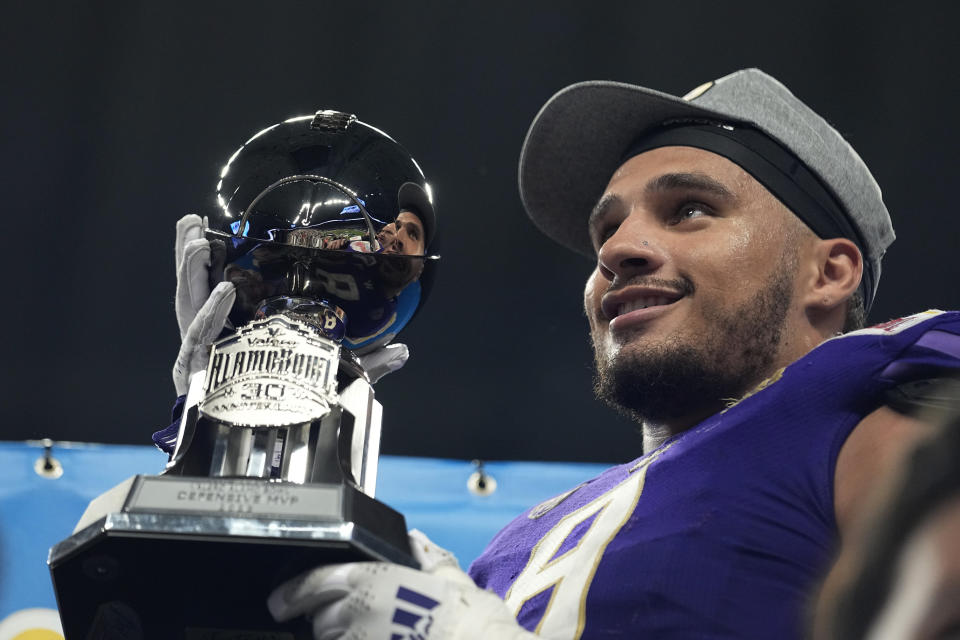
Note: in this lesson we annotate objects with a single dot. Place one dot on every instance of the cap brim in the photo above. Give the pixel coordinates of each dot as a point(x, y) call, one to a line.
point(577, 142)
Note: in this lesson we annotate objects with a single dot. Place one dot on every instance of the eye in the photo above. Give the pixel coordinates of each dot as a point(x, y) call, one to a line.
point(689, 211)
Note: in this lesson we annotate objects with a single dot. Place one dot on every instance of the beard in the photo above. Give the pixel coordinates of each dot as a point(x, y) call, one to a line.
point(689, 375)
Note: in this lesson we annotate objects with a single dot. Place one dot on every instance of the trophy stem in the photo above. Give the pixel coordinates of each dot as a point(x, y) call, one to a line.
point(295, 460)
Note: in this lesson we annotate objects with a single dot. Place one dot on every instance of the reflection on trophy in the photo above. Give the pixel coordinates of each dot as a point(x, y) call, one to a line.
point(322, 225)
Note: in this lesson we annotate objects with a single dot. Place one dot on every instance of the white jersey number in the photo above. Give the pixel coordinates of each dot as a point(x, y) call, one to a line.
point(571, 573)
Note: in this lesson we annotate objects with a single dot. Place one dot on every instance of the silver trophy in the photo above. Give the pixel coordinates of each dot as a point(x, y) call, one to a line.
point(323, 225)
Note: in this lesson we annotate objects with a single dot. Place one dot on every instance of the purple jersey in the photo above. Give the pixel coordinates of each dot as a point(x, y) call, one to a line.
point(724, 530)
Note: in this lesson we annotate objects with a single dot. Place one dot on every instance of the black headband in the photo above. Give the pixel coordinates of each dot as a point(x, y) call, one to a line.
point(773, 166)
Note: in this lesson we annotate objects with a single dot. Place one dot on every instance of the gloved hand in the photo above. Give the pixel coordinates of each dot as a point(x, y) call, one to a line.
point(202, 314)
point(385, 360)
point(382, 600)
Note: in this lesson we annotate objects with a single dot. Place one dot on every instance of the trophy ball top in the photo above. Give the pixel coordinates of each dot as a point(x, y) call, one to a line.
point(326, 207)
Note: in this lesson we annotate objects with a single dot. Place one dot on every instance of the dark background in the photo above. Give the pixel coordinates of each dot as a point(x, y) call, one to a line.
point(116, 117)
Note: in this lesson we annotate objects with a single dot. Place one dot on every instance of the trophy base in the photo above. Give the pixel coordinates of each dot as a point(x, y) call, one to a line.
point(195, 558)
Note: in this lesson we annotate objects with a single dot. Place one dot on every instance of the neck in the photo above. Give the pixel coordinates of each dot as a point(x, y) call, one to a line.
point(802, 342)
point(656, 433)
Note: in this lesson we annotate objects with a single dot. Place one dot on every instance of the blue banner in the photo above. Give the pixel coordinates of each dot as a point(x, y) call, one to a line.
point(39, 507)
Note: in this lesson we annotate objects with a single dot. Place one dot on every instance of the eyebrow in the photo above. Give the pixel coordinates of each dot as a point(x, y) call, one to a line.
point(667, 182)
point(695, 181)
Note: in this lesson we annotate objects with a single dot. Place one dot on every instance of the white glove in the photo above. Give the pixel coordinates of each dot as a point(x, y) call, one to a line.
point(366, 600)
point(192, 258)
point(201, 313)
point(206, 326)
point(384, 360)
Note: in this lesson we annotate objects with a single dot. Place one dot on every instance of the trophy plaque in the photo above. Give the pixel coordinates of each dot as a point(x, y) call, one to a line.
point(323, 226)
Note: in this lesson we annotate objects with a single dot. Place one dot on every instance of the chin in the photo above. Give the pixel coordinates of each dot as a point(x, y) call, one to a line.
point(666, 380)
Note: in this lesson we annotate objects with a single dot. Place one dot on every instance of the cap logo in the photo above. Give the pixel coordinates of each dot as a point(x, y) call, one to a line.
point(699, 91)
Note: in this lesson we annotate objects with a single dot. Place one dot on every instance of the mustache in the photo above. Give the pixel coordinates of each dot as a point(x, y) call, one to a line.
point(681, 285)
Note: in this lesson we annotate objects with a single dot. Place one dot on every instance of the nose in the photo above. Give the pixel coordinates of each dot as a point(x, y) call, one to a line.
point(632, 250)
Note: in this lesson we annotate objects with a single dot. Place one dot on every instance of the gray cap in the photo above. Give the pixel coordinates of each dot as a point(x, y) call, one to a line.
point(580, 136)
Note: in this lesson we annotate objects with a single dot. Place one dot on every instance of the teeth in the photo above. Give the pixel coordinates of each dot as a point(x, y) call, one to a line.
point(642, 303)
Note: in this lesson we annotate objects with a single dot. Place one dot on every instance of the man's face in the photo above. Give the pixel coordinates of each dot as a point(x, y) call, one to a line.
point(695, 276)
point(404, 236)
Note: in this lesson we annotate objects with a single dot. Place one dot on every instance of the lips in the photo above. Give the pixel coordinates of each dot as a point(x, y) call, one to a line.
point(637, 301)
point(642, 303)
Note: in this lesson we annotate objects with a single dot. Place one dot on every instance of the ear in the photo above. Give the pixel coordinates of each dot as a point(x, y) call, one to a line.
point(838, 267)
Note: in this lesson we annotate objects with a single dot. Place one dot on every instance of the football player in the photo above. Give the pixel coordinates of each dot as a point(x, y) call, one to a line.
point(737, 241)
